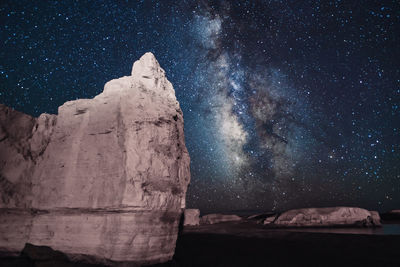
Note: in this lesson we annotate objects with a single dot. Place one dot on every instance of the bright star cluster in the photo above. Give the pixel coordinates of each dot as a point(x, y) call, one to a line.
point(286, 103)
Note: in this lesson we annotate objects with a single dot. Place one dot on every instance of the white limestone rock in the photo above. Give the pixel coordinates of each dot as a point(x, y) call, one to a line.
point(333, 216)
point(106, 177)
point(191, 217)
point(218, 218)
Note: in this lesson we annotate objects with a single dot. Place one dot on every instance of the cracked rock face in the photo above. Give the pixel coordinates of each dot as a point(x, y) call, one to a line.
point(106, 177)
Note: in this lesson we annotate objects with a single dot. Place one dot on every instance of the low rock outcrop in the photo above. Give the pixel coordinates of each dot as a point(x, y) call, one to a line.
point(191, 217)
point(106, 177)
point(218, 218)
point(335, 216)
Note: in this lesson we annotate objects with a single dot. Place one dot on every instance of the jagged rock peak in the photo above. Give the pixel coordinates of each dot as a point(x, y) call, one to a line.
point(146, 76)
point(145, 65)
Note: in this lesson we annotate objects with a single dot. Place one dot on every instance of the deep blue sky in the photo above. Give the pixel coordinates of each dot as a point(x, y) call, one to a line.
point(286, 103)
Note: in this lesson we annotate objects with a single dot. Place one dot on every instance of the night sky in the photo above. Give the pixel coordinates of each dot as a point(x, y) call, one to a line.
point(286, 103)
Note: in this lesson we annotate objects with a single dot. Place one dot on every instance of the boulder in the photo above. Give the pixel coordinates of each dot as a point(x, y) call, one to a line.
point(334, 216)
point(192, 217)
point(218, 218)
point(106, 177)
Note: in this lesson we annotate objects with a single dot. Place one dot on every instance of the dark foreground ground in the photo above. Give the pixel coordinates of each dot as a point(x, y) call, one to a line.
point(253, 245)
point(249, 244)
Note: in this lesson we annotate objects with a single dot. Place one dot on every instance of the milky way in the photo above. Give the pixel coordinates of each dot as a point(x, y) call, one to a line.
point(286, 104)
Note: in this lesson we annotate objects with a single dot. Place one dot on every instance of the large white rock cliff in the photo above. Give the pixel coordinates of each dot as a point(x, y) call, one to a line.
point(106, 177)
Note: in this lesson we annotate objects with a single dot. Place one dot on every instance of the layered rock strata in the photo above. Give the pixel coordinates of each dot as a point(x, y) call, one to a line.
point(106, 177)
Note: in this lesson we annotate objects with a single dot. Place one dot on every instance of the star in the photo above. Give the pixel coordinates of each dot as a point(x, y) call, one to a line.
point(277, 112)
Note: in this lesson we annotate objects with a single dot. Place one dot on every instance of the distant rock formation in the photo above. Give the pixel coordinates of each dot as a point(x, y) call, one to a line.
point(191, 217)
point(106, 177)
point(335, 216)
point(218, 218)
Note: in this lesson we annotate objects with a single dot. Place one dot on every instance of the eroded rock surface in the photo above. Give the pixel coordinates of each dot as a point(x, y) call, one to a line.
point(335, 216)
point(106, 177)
point(218, 218)
point(191, 217)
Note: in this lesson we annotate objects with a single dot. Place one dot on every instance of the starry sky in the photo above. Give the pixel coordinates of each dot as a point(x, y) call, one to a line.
point(286, 103)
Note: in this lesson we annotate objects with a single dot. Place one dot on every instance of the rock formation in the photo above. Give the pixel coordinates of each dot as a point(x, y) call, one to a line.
point(218, 218)
point(335, 216)
point(191, 217)
point(106, 177)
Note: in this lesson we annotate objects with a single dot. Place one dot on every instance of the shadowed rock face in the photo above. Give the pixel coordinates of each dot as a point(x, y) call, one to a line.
point(335, 216)
point(106, 177)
